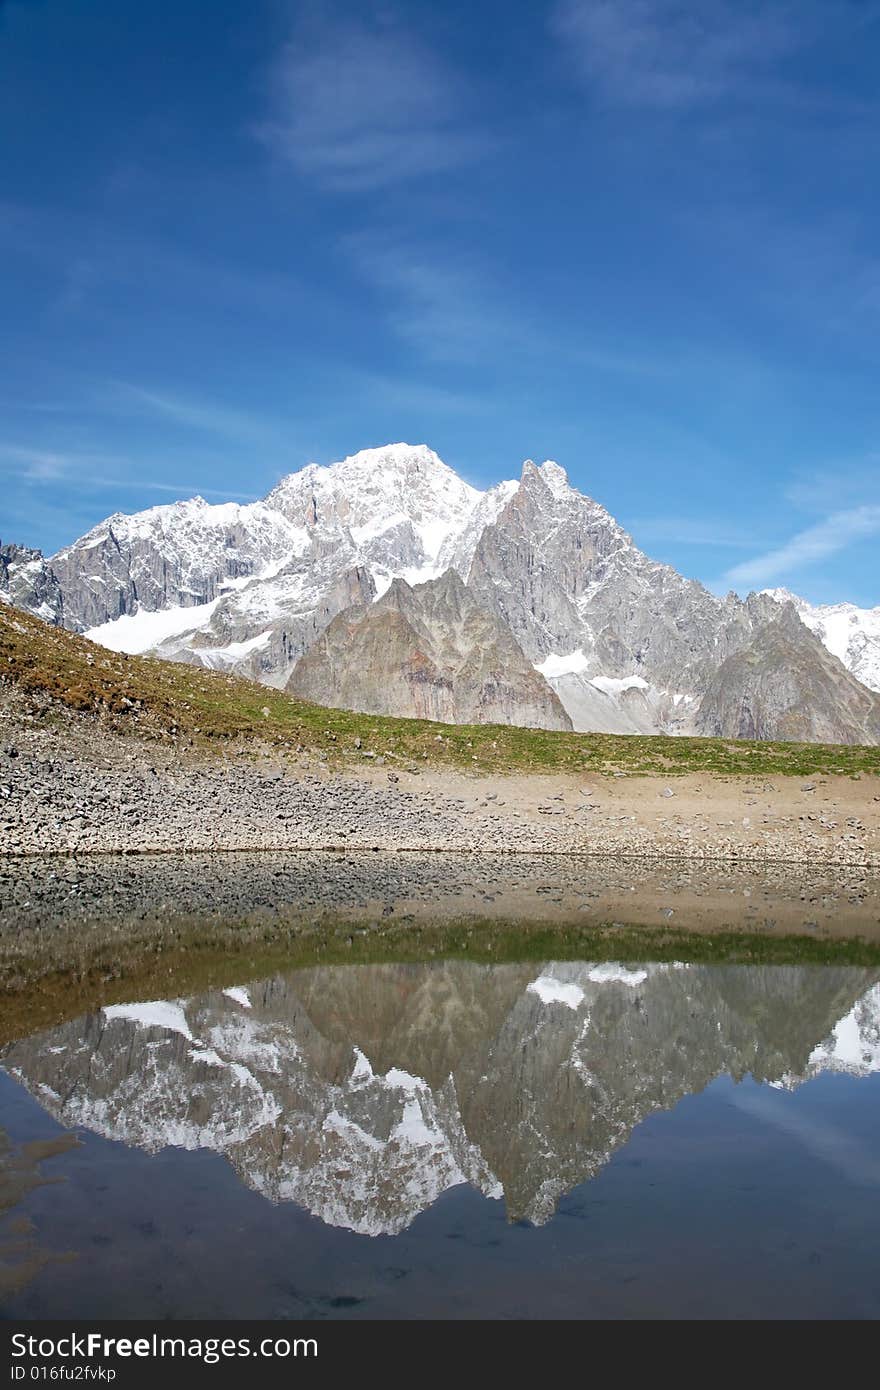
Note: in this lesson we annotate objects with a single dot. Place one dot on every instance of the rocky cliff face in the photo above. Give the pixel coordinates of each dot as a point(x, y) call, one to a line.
point(262, 629)
point(627, 644)
point(363, 1093)
point(27, 581)
point(573, 586)
point(430, 652)
point(851, 634)
point(785, 684)
point(183, 555)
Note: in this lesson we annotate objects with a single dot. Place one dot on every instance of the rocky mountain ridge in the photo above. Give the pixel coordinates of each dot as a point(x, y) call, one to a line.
point(851, 634)
point(27, 581)
point(781, 686)
point(438, 654)
point(625, 643)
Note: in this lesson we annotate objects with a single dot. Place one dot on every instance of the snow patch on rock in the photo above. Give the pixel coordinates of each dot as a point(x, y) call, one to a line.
point(139, 632)
point(156, 1013)
point(612, 972)
point(551, 991)
point(555, 665)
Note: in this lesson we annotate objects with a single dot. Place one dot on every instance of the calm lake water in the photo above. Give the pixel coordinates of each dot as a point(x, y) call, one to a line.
point(453, 1139)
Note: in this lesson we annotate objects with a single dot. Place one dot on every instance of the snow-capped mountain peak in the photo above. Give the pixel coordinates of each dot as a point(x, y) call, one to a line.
point(555, 477)
point(783, 595)
point(376, 490)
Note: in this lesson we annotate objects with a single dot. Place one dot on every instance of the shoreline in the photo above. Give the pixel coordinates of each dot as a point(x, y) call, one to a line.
point(300, 894)
point(70, 786)
point(78, 932)
point(656, 856)
point(122, 799)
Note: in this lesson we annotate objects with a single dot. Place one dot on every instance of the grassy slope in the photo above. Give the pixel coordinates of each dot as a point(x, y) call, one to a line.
point(165, 699)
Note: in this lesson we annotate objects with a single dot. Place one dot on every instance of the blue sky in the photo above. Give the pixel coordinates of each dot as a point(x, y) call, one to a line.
point(637, 236)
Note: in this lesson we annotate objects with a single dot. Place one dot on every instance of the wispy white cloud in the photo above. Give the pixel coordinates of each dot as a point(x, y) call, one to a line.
point(40, 406)
point(826, 489)
point(408, 394)
point(359, 107)
point(176, 490)
point(35, 465)
point(819, 274)
point(678, 54)
point(90, 471)
point(193, 414)
point(837, 532)
point(687, 530)
point(843, 1152)
point(88, 259)
point(457, 309)
point(445, 310)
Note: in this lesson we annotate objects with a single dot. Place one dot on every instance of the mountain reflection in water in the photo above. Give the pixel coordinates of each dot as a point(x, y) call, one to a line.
point(362, 1093)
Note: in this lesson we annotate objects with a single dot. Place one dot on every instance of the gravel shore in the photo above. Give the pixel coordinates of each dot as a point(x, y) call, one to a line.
point(69, 787)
